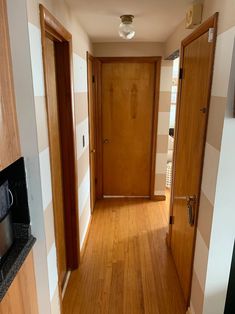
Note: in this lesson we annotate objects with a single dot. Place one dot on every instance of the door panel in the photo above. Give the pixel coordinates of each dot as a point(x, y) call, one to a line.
point(127, 118)
point(55, 155)
point(91, 106)
point(188, 160)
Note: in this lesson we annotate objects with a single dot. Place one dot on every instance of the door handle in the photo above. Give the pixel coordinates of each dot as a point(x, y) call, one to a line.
point(106, 141)
point(191, 201)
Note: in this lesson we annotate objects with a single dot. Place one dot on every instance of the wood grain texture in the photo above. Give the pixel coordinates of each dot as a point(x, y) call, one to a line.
point(192, 116)
point(127, 115)
point(21, 297)
point(9, 145)
point(53, 30)
point(126, 266)
point(56, 159)
point(92, 128)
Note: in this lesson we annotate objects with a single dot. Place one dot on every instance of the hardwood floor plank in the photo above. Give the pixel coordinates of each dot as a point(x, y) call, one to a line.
point(126, 267)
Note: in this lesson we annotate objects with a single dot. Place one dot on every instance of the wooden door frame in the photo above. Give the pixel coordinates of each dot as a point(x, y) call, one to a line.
point(210, 23)
point(89, 57)
point(51, 27)
point(98, 101)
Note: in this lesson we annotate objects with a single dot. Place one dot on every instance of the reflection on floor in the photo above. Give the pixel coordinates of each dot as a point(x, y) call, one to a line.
point(126, 266)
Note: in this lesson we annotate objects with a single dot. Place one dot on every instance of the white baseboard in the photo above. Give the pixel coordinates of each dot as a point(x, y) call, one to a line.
point(66, 283)
point(190, 310)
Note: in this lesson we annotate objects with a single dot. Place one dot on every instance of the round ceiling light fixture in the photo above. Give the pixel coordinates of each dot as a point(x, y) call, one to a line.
point(126, 29)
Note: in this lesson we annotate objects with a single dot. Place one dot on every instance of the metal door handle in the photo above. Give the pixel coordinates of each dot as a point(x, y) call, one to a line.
point(190, 214)
point(180, 198)
point(186, 198)
point(191, 201)
point(106, 141)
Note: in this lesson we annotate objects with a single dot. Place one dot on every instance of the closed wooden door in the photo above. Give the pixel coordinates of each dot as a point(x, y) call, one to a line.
point(91, 107)
point(193, 108)
point(127, 122)
point(55, 156)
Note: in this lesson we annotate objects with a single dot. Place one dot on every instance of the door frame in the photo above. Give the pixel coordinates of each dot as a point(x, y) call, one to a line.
point(90, 58)
point(51, 27)
point(98, 81)
point(202, 29)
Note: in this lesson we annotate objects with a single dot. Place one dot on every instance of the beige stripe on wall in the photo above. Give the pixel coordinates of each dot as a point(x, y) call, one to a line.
point(162, 143)
point(163, 127)
point(84, 220)
point(49, 226)
point(165, 101)
point(216, 121)
point(83, 164)
point(205, 218)
point(81, 106)
point(197, 295)
point(41, 121)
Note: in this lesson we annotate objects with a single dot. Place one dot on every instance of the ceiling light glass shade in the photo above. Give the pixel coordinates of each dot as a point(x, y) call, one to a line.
point(126, 29)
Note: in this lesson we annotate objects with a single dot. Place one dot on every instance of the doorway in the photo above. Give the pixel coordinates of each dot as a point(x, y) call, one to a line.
point(196, 69)
point(128, 105)
point(56, 44)
point(170, 149)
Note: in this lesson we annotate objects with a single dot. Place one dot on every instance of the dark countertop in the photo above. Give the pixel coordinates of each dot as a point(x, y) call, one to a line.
point(16, 256)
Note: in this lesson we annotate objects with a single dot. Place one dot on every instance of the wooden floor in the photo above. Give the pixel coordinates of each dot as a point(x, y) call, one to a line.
point(126, 266)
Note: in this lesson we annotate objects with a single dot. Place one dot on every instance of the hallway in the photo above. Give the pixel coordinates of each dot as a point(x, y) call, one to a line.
point(126, 266)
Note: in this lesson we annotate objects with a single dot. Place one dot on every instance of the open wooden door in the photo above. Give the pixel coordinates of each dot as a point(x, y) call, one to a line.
point(192, 115)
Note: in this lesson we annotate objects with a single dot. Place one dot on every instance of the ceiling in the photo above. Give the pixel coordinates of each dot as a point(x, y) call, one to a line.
point(154, 20)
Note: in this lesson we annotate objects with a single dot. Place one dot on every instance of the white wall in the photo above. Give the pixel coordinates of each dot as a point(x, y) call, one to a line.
point(128, 49)
point(22, 73)
point(223, 230)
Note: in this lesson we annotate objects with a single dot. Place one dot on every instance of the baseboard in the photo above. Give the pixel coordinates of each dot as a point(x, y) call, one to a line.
point(84, 243)
point(66, 283)
point(189, 311)
point(158, 198)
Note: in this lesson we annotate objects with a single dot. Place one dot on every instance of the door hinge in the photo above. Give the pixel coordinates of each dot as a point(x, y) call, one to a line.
point(171, 220)
point(93, 78)
point(181, 74)
point(211, 35)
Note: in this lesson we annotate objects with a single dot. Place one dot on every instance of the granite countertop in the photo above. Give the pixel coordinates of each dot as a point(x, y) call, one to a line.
point(16, 256)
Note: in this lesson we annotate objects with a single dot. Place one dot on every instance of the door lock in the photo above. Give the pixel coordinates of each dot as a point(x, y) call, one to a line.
point(191, 202)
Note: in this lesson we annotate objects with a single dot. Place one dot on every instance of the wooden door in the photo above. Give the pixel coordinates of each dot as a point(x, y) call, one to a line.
point(55, 156)
point(10, 146)
point(193, 107)
point(92, 137)
point(127, 125)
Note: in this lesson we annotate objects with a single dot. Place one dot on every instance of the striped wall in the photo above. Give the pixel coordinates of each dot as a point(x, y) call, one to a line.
point(210, 277)
point(215, 232)
point(81, 112)
point(163, 127)
point(44, 159)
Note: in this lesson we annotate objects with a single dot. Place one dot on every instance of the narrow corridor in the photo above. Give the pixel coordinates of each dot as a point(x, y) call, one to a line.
point(126, 266)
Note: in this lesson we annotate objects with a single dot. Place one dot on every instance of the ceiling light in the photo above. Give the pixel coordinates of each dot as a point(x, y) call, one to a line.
point(126, 29)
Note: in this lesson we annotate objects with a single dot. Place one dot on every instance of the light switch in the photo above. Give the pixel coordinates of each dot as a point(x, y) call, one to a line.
point(83, 141)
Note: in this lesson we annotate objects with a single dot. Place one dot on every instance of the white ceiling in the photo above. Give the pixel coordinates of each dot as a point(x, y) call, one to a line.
point(154, 20)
